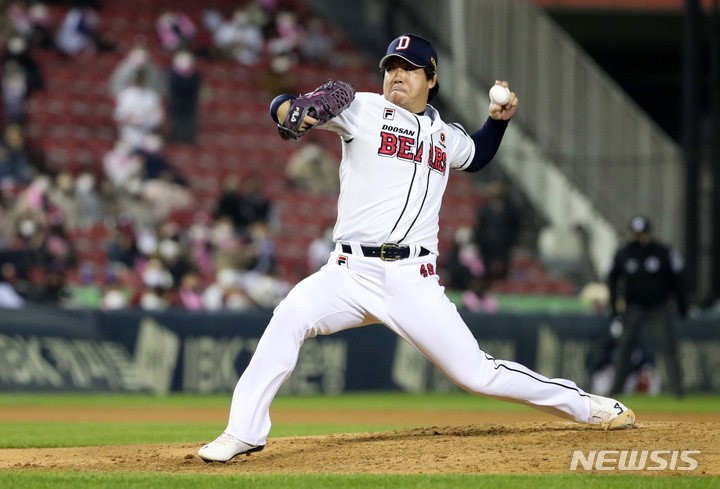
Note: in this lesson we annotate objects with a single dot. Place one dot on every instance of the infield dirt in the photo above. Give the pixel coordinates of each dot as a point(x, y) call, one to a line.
point(466, 442)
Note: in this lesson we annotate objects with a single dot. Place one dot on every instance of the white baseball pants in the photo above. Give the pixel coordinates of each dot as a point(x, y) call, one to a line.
point(357, 291)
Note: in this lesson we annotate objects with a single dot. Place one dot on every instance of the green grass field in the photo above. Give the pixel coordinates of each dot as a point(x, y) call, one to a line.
point(20, 434)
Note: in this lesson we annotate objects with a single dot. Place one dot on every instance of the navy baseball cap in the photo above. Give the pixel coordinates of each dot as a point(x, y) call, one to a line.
point(413, 49)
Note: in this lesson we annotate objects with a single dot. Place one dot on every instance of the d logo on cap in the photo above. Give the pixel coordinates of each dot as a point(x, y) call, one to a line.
point(403, 43)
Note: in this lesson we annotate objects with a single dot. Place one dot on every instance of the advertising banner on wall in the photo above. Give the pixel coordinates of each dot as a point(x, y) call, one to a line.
point(161, 352)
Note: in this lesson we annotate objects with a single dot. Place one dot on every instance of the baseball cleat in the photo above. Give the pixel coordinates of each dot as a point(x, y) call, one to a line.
point(226, 447)
point(610, 413)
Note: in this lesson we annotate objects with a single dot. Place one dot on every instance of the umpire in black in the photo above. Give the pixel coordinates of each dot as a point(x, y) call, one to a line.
point(645, 278)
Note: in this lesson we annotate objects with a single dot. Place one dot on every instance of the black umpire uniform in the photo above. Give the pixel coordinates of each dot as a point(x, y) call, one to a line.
point(645, 277)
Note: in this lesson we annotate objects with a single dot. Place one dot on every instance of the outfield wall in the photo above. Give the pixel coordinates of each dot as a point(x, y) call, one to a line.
point(139, 351)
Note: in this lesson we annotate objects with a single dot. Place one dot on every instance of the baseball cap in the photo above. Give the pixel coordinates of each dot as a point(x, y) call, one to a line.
point(639, 224)
point(413, 49)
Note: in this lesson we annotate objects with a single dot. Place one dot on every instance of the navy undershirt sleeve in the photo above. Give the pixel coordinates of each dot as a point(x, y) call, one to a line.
point(487, 141)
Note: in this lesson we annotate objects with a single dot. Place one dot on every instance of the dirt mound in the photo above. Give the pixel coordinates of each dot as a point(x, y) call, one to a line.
point(512, 448)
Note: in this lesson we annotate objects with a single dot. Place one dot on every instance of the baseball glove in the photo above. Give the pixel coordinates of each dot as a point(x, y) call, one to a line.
point(323, 103)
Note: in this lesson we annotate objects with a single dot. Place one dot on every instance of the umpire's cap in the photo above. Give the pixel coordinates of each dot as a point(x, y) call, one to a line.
point(639, 224)
point(413, 49)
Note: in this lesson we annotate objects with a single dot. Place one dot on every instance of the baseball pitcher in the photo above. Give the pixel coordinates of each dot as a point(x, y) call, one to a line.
point(397, 154)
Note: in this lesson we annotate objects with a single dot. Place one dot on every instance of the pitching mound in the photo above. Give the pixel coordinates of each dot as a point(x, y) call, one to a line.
point(513, 448)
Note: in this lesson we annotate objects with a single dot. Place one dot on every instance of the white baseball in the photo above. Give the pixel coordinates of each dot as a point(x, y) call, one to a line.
point(500, 95)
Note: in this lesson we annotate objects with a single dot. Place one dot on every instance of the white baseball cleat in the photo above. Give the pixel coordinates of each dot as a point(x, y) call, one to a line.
point(610, 413)
point(226, 447)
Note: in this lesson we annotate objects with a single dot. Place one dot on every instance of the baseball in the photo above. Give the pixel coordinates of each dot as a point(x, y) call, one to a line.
point(499, 95)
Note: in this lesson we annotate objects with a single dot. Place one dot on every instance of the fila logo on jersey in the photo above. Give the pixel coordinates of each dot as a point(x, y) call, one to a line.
point(400, 143)
point(342, 260)
point(389, 114)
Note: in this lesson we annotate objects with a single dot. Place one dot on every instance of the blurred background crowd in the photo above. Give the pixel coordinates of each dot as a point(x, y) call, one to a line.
point(125, 199)
point(138, 167)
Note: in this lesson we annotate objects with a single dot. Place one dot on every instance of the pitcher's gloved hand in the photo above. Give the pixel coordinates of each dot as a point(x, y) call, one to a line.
point(322, 104)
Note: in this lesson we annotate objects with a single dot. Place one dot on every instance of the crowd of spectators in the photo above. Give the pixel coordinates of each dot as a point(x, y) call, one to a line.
point(133, 201)
point(131, 205)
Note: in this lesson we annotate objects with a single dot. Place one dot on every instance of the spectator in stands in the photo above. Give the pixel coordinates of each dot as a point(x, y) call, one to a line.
point(172, 255)
point(42, 32)
point(33, 199)
point(212, 19)
point(82, 291)
point(18, 163)
point(130, 202)
point(6, 224)
point(317, 45)
point(14, 92)
point(79, 32)
point(466, 273)
point(162, 185)
point(465, 263)
point(42, 253)
point(184, 82)
point(320, 248)
point(147, 243)
point(288, 35)
point(562, 251)
point(226, 244)
point(190, 292)
point(259, 250)
point(90, 202)
point(62, 196)
point(496, 231)
point(265, 291)
point(19, 17)
point(18, 289)
point(226, 292)
point(239, 38)
point(17, 259)
point(59, 244)
point(32, 23)
point(258, 204)
point(478, 297)
point(121, 165)
point(122, 245)
point(9, 297)
point(263, 13)
point(232, 204)
point(138, 59)
point(176, 31)
point(114, 297)
point(276, 79)
point(157, 284)
point(138, 111)
point(313, 169)
point(17, 50)
point(21, 78)
point(53, 289)
point(200, 247)
point(152, 299)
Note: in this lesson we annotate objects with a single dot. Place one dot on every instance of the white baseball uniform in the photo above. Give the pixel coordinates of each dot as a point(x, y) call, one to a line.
point(394, 170)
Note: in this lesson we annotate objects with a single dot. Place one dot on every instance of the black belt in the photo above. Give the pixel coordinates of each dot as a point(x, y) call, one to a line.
point(386, 252)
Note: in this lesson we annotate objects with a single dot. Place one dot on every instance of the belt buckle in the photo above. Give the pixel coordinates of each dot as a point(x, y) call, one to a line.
point(387, 247)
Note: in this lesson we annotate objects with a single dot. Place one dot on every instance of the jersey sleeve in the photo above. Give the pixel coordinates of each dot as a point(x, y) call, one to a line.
point(462, 147)
point(346, 124)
